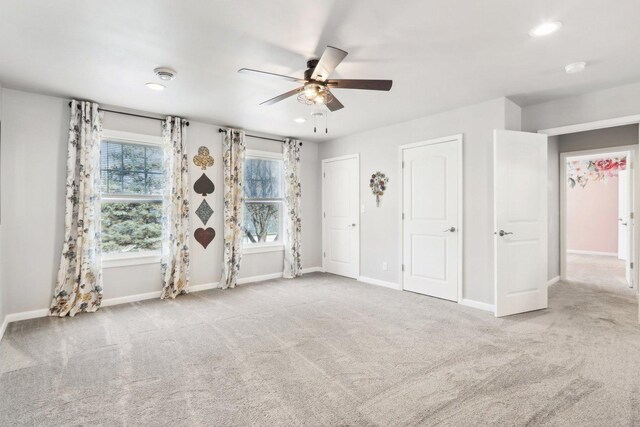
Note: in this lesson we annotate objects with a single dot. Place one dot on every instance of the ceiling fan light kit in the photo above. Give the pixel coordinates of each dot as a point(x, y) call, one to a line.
point(316, 86)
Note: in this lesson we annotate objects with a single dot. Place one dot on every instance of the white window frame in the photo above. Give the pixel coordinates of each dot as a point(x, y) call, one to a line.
point(111, 260)
point(252, 248)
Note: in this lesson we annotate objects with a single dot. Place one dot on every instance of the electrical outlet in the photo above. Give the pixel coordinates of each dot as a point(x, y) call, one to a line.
point(384, 266)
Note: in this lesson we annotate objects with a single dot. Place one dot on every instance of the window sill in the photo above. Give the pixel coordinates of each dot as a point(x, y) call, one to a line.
point(122, 260)
point(262, 248)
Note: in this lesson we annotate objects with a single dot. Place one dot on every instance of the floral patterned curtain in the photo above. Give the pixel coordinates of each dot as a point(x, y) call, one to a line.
point(233, 149)
point(79, 283)
point(175, 217)
point(292, 222)
point(582, 171)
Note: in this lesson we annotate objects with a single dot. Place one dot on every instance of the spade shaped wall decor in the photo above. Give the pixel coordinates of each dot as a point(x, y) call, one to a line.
point(204, 185)
point(204, 236)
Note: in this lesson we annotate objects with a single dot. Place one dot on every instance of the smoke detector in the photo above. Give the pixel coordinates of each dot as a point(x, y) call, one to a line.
point(165, 74)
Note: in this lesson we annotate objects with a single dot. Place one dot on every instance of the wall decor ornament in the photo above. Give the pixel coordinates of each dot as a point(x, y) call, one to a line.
point(203, 159)
point(204, 212)
point(204, 236)
point(204, 185)
point(583, 171)
point(378, 185)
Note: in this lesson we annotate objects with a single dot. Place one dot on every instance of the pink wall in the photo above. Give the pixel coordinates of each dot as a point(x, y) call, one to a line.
point(592, 216)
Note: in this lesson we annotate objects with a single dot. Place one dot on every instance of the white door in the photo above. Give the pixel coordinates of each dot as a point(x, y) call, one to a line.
point(431, 212)
point(520, 215)
point(623, 214)
point(341, 221)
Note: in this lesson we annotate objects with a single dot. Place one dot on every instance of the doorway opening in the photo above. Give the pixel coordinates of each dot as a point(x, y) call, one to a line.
point(596, 203)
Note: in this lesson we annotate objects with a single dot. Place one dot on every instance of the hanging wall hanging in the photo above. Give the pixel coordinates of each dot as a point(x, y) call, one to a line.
point(582, 171)
point(204, 236)
point(378, 184)
point(204, 185)
point(204, 212)
point(203, 159)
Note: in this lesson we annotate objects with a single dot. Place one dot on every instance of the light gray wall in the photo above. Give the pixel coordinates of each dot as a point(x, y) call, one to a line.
point(610, 103)
point(34, 138)
point(600, 138)
point(3, 308)
point(379, 150)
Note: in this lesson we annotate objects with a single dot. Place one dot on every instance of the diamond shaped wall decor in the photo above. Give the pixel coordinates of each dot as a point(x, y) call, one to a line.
point(204, 212)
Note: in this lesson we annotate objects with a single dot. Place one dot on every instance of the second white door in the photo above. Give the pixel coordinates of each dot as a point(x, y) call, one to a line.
point(431, 218)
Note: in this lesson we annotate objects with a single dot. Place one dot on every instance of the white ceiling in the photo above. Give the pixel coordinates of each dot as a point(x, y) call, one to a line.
point(440, 54)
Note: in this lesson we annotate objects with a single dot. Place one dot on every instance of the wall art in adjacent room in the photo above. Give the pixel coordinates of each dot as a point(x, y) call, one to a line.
point(204, 185)
point(203, 159)
point(204, 212)
point(204, 236)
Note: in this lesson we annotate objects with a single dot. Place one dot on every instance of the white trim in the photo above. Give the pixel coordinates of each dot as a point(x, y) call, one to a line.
point(599, 124)
point(130, 137)
point(26, 315)
point(579, 252)
point(3, 327)
point(479, 305)
point(377, 282)
point(258, 248)
point(632, 153)
point(458, 138)
point(274, 155)
point(324, 162)
point(553, 281)
point(130, 259)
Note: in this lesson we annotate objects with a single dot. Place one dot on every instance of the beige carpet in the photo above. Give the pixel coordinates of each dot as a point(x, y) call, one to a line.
point(606, 272)
point(327, 351)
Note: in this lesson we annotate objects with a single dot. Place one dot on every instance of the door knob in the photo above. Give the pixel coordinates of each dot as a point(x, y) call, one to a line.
point(351, 225)
point(503, 233)
point(450, 230)
point(623, 223)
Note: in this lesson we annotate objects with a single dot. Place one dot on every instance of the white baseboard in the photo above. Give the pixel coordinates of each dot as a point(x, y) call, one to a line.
point(26, 315)
point(553, 281)
point(479, 305)
point(578, 252)
point(377, 282)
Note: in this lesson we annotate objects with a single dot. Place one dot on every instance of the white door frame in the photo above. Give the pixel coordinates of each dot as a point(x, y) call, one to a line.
point(325, 161)
point(453, 138)
point(603, 124)
point(633, 153)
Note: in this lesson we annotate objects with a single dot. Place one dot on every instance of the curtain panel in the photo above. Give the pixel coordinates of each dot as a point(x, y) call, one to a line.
point(233, 153)
point(79, 283)
point(175, 206)
point(292, 221)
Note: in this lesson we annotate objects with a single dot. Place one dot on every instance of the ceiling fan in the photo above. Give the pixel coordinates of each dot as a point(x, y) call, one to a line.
point(316, 85)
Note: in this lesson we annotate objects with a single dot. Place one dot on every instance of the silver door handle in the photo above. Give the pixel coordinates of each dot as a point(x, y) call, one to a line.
point(450, 230)
point(503, 233)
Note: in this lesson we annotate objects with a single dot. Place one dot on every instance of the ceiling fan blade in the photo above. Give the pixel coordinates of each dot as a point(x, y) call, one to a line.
point(268, 74)
point(328, 62)
point(281, 97)
point(334, 105)
point(360, 84)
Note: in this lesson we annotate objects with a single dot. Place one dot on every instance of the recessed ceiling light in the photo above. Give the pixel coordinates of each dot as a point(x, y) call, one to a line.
point(154, 86)
point(545, 29)
point(575, 67)
point(300, 120)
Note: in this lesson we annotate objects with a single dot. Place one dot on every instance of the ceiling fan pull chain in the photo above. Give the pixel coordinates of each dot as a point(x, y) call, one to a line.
point(326, 123)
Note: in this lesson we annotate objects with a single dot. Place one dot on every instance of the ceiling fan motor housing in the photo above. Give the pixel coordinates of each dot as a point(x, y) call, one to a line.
point(311, 65)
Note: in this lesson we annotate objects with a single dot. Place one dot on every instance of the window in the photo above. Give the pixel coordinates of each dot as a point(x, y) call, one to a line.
point(263, 199)
point(131, 185)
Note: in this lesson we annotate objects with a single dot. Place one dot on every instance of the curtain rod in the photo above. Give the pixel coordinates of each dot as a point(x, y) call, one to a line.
point(130, 114)
point(259, 137)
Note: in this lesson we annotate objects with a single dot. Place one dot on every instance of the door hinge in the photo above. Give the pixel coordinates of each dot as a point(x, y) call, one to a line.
point(403, 216)
point(631, 215)
point(403, 164)
point(324, 174)
point(324, 214)
point(402, 267)
point(631, 266)
point(324, 254)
